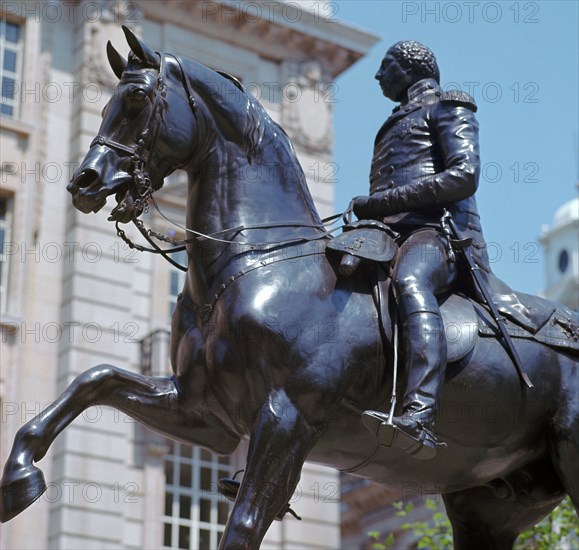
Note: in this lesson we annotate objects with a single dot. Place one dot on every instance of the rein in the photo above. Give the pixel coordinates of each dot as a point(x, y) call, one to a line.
point(140, 154)
point(180, 245)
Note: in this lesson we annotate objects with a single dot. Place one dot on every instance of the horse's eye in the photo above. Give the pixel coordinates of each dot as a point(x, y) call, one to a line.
point(139, 95)
point(134, 102)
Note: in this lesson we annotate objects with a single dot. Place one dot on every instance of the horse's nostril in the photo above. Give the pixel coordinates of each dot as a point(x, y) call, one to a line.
point(86, 178)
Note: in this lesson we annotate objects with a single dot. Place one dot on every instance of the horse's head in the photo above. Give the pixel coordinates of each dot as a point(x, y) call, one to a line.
point(169, 113)
point(143, 136)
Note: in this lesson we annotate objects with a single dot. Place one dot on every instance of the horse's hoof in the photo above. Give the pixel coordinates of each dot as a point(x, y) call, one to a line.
point(19, 490)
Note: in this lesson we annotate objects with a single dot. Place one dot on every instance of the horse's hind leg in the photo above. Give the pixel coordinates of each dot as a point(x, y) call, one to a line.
point(154, 401)
point(493, 516)
point(564, 441)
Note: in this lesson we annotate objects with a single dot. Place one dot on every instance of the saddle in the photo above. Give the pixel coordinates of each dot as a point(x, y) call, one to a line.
point(364, 240)
point(465, 319)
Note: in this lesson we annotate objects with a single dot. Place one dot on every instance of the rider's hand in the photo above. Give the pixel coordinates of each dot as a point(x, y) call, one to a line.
point(376, 206)
point(363, 207)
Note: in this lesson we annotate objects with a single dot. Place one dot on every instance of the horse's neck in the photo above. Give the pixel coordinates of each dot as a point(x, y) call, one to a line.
point(270, 189)
point(230, 192)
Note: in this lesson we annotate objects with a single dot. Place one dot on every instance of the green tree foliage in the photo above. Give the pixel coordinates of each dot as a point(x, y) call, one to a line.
point(558, 531)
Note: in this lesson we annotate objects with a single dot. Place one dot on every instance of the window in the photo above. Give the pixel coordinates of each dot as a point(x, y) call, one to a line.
point(10, 66)
point(195, 512)
point(5, 226)
point(563, 261)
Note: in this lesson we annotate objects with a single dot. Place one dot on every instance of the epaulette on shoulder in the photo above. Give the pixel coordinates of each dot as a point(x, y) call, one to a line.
point(458, 97)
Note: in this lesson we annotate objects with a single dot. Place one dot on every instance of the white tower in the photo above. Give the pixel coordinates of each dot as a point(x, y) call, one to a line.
point(561, 246)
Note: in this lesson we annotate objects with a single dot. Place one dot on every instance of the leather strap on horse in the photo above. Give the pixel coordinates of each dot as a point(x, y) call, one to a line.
point(179, 246)
point(207, 309)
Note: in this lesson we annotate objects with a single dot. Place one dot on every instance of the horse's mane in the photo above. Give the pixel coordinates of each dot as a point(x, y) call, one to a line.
point(259, 126)
point(255, 128)
point(242, 118)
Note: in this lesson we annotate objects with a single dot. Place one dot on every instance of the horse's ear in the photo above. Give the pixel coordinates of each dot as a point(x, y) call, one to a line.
point(141, 50)
point(117, 61)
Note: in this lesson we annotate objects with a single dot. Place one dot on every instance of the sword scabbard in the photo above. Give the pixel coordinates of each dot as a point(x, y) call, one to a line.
point(464, 244)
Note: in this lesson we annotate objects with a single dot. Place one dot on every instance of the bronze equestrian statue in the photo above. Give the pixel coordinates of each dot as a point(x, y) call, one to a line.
point(271, 342)
point(426, 159)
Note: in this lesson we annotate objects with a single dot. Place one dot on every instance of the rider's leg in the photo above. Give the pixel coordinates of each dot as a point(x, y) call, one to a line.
point(423, 272)
point(424, 350)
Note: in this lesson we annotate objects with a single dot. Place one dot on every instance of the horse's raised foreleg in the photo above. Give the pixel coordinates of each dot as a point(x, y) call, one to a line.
point(154, 401)
point(280, 441)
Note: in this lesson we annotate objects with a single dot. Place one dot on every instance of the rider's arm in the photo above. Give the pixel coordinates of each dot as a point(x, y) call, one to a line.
point(456, 132)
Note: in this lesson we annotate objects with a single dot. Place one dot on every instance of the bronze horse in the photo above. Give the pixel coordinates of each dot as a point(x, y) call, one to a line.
point(270, 342)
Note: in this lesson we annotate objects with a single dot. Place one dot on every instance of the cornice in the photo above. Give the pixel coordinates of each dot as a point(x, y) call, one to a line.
point(553, 233)
point(274, 30)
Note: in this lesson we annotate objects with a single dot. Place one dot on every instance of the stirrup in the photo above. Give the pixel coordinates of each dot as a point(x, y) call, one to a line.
point(421, 445)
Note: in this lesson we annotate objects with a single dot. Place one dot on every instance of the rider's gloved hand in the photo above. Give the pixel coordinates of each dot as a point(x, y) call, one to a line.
point(376, 206)
point(369, 207)
point(362, 208)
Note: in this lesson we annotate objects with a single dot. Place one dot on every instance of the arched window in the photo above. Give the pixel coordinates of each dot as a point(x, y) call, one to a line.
point(563, 260)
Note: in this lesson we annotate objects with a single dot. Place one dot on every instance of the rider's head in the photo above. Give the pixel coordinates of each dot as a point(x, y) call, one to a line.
point(404, 64)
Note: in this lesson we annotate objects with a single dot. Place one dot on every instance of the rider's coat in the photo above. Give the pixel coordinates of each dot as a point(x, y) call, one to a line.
point(426, 158)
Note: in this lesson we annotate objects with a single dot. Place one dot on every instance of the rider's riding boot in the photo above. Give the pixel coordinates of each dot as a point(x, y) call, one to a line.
point(424, 347)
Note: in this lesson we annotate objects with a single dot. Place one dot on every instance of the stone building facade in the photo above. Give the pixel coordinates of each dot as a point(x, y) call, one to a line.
point(560, 243)
point(74, 296)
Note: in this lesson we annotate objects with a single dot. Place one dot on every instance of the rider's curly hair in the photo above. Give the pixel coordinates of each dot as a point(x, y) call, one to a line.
point(416, 58)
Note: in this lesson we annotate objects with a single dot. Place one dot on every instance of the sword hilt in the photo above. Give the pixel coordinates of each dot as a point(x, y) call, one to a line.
point(445, 223)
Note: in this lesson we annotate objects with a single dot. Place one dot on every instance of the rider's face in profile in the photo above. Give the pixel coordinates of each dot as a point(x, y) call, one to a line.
point(393, 79)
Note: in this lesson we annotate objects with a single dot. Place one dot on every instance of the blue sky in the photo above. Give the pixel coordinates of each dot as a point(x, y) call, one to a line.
point(520, 62)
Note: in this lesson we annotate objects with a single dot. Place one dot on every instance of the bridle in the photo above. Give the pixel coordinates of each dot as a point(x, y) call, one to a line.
point(140, 155)
point(141, 152)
